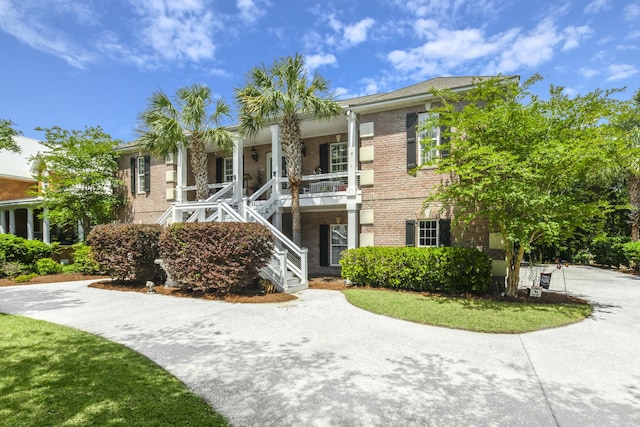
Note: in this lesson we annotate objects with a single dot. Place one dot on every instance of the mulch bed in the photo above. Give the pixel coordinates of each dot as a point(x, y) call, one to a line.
point(256, 295)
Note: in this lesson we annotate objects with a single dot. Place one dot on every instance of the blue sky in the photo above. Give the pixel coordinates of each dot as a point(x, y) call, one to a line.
point(73, 63)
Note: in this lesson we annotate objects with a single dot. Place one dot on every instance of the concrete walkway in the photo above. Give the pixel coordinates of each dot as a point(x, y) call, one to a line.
point(318, 361)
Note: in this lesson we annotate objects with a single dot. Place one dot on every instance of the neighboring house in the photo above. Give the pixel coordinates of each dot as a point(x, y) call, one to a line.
point(357, 189)
point(19, 211)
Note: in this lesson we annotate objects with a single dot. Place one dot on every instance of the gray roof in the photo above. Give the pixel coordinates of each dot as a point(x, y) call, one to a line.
point(417, 89)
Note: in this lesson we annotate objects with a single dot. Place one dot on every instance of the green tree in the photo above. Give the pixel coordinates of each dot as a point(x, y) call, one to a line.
point(80, 171)
point(283, 94)
point(7, 132)
point(632, 126)
point(533, 168)
point(186, 122)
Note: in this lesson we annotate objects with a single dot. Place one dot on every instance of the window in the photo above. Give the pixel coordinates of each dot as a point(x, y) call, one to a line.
point(338, 242)
point(228, 169)
point(338, 157)
point(140, 175)
point(429, 139)
point(428, 233)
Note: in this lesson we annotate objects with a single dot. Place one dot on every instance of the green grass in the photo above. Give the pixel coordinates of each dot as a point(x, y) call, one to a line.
point(468, 314)
point(53, 375)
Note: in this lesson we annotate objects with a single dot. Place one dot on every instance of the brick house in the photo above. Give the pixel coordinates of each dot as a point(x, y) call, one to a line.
point(357, 189)
point(19, 210)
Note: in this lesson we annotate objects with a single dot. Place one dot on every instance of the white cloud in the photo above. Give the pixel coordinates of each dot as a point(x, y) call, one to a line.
point(176, 31)
point(249, 11)
point(357, 33)
point(446, 50)
point(588, 72)
point(24, 21)
point(449, 11)
point(631, 12)
point(313, 62)
point(596, 6)
point(621, 71)
point(345, 35)
point(574, 35)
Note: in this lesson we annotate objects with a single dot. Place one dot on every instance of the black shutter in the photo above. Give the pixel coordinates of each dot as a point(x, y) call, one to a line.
point(219, 170)
point(444, 232)
point(410, 232)
point(324, 245)
point(147, 173)
point(412, 119)
point(133, 175)
point(324, 158)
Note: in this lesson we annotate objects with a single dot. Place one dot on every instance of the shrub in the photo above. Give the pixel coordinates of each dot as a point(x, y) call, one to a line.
point(213, 256)
point(609, 250)
point(12, 269)
point(582, 257)
point(18, 249)
point(48, 266)
point(632, 253)
point(444, 269)
point(25, 277)
point(83, 261)
point(126, 251)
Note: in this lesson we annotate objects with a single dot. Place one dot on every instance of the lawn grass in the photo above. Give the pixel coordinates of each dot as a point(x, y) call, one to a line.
point(54, 375)
point(469, 314)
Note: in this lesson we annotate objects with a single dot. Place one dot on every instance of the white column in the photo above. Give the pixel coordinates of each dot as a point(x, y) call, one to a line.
point(352, 153)
point(80, 232)
point(353, 228)
point(3, 222)
point(29, 223)
point(12, 221)
point(181, 171)
point(238, 172)
point(276, 166)
point(46, 227)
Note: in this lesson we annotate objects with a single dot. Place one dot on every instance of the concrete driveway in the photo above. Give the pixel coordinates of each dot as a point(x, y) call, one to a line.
point(318, 361)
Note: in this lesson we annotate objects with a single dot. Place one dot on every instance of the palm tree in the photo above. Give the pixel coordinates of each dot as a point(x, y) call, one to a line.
point(186, 122)
point(283, 94)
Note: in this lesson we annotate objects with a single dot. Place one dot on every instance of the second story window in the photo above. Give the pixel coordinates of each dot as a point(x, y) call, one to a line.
point(338, 157)
point(429, 140)
point(140, 171)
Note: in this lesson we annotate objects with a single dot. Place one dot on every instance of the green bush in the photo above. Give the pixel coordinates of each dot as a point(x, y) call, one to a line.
point(12, 269)
point(48, 266)
point(582, 257)
point(25, 277)
point(127, 251)
point(213, 256)
point(83, 261)
point(632, 253)
point(609, 250)
point(18, 249)
point(444, 269)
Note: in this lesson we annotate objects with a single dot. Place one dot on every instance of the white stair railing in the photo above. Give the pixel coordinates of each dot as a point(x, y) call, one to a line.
point(217, 196)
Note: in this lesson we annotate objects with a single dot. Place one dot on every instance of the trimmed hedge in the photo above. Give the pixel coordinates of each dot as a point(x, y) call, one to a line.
point(443, 269)
point(127, 251)
point(18, 249)
point(83, 261)
point(632, 254)
point(213, 256)
point(48, 266)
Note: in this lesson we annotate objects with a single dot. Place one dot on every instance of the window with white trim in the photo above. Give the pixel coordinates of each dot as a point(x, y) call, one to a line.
point(428, 231)
point(338, 157)
point(140, 175)
point(228, 169)
point(429, 139)
point(338, 242)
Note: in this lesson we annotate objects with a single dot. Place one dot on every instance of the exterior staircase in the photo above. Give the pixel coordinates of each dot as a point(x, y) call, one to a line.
point(287, 269)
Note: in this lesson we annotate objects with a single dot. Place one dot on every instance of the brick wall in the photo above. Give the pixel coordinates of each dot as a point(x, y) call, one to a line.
point(14, 189)
point(144, 207)
point(396, 195)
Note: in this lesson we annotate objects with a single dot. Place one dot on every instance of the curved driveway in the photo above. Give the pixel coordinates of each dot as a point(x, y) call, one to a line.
point(318, 361)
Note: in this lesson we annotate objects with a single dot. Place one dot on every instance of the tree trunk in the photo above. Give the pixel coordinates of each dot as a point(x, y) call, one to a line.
point(514, 259)
point(199, 167)
point(292, 150)
point(633, 184)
